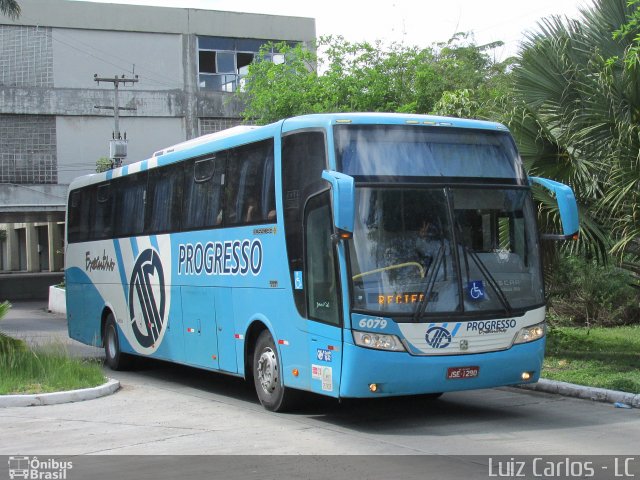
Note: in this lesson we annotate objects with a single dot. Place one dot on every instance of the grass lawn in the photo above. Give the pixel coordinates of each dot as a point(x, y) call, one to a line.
point(596, 357)
point(44, 370)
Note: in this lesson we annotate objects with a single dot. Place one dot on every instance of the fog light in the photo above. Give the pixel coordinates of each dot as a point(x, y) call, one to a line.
point(373, 387)
point(526, 376)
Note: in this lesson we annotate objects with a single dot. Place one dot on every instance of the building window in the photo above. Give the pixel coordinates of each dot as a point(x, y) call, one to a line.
point(224, 62)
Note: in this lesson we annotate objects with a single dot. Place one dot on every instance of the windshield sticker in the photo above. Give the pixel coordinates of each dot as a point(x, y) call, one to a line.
point(509, 285)
point(327, 379)
point(475, 290)
point(297, 280)
point(323, 355)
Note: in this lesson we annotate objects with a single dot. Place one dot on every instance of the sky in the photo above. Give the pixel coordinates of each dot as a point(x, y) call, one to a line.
point(414, 22)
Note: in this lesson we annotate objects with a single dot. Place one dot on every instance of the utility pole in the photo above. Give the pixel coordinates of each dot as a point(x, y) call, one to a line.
point(117, 145)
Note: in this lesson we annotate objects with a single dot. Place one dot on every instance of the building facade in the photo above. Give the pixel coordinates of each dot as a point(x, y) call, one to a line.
point(56, 121)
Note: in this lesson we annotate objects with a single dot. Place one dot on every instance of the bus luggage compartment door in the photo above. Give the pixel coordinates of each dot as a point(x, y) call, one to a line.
point(200, 328)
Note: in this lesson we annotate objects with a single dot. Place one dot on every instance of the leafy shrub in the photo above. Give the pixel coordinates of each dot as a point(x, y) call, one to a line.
point(7, 343)
point(582, 292)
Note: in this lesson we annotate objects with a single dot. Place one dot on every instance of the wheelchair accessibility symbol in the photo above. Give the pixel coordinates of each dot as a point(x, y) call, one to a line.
point(475, 290)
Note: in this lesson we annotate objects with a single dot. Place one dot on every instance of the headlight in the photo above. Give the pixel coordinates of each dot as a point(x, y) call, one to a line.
point(378, 341)
point(529, 334)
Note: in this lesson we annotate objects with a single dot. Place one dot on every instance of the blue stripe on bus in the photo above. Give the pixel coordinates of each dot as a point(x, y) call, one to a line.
point(154, 242)
point(455, 330)
point(134, 247)
point(109, 174)
point(123, 276)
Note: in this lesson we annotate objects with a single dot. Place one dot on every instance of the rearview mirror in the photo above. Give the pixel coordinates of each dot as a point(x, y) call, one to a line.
point(344, 197)
point(566, 205)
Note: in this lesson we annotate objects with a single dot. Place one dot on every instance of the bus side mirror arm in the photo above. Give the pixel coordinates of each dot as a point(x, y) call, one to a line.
point(566, 205)
point(344, 196)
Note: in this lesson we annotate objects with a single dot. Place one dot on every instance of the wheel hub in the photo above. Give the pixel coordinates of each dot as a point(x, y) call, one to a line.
point(111, 342)
point(268, 370)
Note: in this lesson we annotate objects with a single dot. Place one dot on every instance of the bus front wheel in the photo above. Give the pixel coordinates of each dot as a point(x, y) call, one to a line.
point(115, 359)
point(267, 376)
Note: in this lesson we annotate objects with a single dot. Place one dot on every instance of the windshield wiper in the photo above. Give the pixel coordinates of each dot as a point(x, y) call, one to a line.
point(492, 281)
point(431, 281)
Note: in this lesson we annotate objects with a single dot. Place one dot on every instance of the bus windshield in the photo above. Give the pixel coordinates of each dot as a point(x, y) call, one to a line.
point(448, 250)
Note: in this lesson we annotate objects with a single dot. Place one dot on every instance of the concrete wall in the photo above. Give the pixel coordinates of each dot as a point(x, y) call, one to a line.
point(135, 18)
point(79, 54)
point(27, 286)
point(83, 140)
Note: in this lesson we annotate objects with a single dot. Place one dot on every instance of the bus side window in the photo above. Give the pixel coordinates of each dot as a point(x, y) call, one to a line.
point(202, 196)
point(103, 220)
point(80, 208)
point(249, 194)
point(164, 192)
point(268, 201)
point(321, 279)
point(130, 196)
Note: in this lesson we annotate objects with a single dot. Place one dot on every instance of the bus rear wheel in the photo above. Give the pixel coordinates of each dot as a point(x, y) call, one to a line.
point(267, 376)
point(115, 359)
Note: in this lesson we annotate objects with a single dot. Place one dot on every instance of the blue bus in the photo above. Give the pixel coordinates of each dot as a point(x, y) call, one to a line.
point(350, 255)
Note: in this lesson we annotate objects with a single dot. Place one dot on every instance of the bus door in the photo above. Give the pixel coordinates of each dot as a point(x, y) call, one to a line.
point(200, 328)
point(322, 291)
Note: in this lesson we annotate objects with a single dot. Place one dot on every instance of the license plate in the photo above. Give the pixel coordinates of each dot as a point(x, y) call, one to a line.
point(455, 373)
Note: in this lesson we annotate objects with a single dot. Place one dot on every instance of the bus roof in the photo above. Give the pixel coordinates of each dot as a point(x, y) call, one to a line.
point(239, 135)
point(328, 119)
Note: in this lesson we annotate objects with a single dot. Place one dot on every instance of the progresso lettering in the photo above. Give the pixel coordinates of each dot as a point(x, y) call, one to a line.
point(491, 326)
point(232, 257)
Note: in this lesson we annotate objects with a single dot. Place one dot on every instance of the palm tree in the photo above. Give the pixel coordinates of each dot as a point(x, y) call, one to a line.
point(10, 8)
point(578, 118)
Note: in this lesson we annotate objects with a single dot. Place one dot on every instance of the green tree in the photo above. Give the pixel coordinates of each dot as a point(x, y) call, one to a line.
point(339, 76)
point(103, 164)
point(10, 8)
point(577, 118)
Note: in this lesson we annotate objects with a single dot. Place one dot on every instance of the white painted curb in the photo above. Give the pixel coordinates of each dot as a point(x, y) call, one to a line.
point(60, 397)
point(587, 393)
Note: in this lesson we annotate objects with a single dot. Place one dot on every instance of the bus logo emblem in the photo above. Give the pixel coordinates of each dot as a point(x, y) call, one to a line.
point(438, 337)
point(147, 311)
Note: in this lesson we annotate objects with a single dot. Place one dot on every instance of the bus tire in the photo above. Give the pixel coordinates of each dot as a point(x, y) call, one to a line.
point(267, 376)
point(114, 358)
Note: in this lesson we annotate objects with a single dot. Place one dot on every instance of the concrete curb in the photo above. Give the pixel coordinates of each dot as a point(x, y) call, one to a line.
point(60, 397)
point(587, 393)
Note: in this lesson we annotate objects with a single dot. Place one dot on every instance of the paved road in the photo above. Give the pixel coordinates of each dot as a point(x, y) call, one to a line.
point(168, 409)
